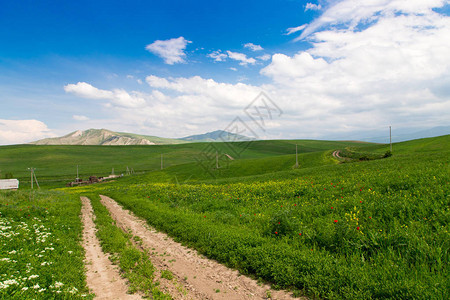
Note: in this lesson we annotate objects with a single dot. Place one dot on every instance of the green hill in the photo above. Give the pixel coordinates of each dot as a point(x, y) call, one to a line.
point(107, 138)
point(375, 229)
point(57, 164)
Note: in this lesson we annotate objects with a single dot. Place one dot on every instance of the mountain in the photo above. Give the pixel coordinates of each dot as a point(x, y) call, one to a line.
point(106, 137)
point(216, 136)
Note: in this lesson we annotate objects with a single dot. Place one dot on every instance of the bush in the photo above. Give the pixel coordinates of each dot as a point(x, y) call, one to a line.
point(387, 154)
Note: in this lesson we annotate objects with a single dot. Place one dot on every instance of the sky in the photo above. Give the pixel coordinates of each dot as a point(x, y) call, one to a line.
point(271, 69)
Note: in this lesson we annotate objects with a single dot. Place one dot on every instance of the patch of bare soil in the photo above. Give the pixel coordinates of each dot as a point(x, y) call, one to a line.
point(195, 277)
point(103, 278)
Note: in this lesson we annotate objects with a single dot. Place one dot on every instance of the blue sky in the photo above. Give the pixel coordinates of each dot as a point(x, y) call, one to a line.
point(176, 68)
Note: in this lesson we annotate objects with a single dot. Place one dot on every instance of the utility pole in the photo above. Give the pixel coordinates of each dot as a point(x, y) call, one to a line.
point(296, 156)
point(33, 176)
point(390, 138)
point(217, 160)
point(77, 174)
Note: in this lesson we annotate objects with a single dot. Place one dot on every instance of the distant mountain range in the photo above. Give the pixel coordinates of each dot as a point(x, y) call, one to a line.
point(108, 137)
point(216, 136)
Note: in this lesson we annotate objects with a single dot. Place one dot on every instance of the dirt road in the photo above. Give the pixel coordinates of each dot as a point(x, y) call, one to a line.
point(195, 277)
point(102, 276)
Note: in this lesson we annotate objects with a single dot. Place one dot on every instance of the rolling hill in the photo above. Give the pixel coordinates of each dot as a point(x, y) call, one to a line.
point(106, 138)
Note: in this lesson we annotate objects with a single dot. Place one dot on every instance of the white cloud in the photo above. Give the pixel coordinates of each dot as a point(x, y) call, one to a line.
point(22, 131)
point(312, 6)
point(85, 90)
point(388, 69)
point(218, 55)
point(253, 47)
point(264, 57)
point(357, 77)
point(172, 51)
point(356, 12)
point(80, 118)
point(232, 69)
point(242, 58)
point(292, 30)
point(118, 97)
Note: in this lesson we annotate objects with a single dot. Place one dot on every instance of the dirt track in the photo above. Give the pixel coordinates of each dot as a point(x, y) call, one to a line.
point(195, 277)
point(102, 277)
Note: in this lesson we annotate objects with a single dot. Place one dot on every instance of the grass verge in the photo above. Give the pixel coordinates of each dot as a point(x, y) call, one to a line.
point(135, 264)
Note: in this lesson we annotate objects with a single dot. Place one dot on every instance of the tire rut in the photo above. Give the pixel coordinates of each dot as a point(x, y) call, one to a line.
point(102, 277)
point(200, 277)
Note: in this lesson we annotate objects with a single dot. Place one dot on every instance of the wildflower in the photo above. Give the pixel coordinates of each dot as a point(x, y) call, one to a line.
point(24, 288)
point(357, 228)
point(335, 221)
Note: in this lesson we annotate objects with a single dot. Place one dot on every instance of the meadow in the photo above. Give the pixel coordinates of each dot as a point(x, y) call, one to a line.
point(57, 165)
point(40, 252)
point(372, 229)
point(367, 229)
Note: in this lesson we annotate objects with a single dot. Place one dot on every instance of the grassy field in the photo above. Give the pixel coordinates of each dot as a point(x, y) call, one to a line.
point(57, 165)
point(40, 252)
point(358, 230)
point(372, 229)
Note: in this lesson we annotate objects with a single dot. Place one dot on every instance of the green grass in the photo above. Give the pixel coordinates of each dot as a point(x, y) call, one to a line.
point(373, 229)
point(57, 165)
point(360, 230)
point(134, 264)
point(40, 252)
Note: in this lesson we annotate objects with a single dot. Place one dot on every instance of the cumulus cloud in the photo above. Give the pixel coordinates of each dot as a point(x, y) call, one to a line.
point(391, 67)
point(242, 58)
point(118, 97)
point(218, 55)
point(172, 51)
point(22, 131)
point(384, 72)
point(253, 47)
point(312, 6)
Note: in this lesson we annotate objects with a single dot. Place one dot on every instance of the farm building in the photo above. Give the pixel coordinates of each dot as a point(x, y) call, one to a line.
point(9, 184)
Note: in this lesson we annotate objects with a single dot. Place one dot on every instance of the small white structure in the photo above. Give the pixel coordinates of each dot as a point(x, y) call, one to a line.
point(9, 184)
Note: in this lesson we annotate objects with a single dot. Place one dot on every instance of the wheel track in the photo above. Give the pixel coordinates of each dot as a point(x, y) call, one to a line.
point(202, 278)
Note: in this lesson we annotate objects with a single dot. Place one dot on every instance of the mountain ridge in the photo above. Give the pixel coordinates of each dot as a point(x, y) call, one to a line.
point(106, 137)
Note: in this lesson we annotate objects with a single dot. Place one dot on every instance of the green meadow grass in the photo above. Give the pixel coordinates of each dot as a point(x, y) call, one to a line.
point(359, 230)
point(363, 230)
point(134, 264)
point(57, 165)
point(41, 256)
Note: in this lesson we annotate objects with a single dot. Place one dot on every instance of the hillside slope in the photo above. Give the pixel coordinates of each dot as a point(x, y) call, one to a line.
point(105, 137)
